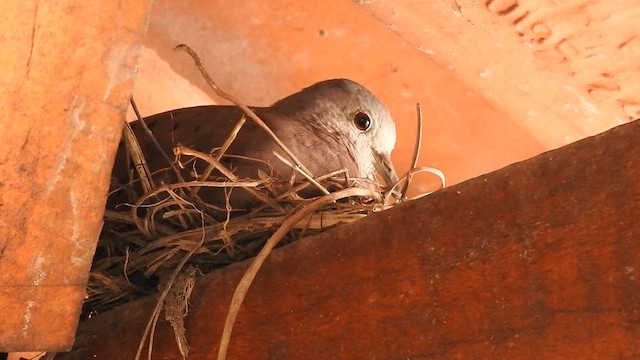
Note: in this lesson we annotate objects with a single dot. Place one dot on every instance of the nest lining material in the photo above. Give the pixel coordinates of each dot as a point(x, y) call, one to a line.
point(133, 249)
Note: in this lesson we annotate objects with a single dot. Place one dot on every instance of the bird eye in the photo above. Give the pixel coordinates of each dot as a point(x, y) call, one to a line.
point(362, 121)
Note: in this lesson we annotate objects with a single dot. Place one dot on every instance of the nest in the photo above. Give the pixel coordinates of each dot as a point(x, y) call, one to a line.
point(162, 235)
point(154, 231)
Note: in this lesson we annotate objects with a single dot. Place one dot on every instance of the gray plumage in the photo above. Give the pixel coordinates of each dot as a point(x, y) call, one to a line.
point(323, 125)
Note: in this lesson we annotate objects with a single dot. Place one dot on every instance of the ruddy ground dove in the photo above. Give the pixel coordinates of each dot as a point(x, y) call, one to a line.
point(331, 125)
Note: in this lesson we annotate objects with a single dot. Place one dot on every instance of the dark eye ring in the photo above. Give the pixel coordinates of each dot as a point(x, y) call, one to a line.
point(362, 121)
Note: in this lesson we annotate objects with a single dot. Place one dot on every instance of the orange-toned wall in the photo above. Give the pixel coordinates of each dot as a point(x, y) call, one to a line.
point(261, 51)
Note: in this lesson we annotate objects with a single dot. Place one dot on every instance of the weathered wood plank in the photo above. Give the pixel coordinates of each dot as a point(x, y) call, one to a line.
point(67, 74)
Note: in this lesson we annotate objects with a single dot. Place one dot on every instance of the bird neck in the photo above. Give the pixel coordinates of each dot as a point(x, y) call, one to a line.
point(320, 147)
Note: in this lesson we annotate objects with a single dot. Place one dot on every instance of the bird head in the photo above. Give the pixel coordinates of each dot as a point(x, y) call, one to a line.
point(352, 117)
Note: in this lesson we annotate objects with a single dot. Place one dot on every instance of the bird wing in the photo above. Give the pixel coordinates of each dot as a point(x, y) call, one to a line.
point(201, 128)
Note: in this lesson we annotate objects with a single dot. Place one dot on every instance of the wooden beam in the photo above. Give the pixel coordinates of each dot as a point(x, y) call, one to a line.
point(68, 70)
point(537, 260)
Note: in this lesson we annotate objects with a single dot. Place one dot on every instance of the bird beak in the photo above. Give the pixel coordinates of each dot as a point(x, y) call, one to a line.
point(384, 169)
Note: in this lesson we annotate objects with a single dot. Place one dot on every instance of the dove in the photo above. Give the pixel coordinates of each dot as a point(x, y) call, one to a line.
point(331, 125)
